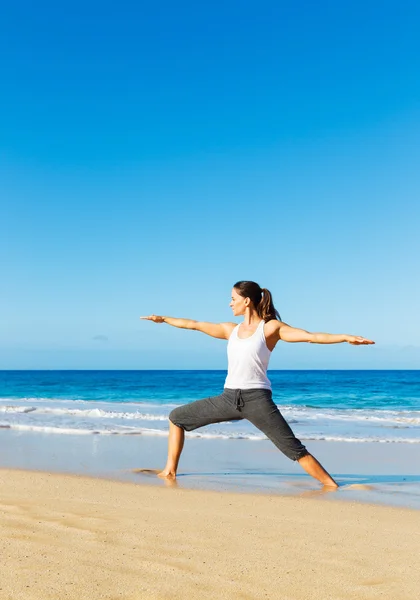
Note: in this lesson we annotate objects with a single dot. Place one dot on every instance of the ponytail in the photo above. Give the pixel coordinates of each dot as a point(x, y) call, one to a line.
point(265, 308)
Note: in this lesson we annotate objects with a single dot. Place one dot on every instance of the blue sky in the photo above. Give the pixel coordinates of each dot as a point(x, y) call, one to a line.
point(153, 155)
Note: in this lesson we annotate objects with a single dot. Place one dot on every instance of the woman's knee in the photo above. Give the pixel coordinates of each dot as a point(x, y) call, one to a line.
point(174, 416)
point(290, 446)
point(293, 453)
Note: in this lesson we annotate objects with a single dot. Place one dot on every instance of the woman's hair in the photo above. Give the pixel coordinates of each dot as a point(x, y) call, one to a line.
point(260, 297)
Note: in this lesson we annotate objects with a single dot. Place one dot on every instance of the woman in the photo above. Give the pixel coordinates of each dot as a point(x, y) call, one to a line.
point(247, 391)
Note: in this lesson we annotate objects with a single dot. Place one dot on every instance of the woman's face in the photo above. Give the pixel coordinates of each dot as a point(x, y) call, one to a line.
point(237, 304)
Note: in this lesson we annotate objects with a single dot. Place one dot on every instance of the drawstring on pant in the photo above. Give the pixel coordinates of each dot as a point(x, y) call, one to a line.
point(239, 401)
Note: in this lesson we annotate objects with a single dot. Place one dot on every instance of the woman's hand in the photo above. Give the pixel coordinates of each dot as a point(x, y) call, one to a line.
point(154, 318)
point(357, 340)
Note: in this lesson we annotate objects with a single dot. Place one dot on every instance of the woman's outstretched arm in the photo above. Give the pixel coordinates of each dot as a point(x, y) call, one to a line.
point(292, 334)
point(217, 330)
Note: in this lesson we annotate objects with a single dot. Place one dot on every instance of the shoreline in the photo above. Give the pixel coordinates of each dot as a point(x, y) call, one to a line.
point(375, 474)
point(72, 536)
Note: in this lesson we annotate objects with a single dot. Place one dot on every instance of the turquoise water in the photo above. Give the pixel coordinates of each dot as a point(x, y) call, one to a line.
point(351, 406)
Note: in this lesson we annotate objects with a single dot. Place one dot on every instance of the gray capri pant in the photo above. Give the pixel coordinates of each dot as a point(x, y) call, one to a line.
point(255, 405)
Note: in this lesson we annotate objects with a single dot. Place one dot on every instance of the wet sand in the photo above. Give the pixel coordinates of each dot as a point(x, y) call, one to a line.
point(366, 472)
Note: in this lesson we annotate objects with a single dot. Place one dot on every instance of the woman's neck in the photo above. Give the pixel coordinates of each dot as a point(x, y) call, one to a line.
point(251, 318)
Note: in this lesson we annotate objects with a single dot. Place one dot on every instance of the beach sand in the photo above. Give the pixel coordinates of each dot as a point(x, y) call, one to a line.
point(67, 536)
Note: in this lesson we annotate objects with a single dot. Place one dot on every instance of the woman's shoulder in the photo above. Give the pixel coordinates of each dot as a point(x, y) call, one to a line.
point(275, 323)
point(229, 327)
point(272, 326)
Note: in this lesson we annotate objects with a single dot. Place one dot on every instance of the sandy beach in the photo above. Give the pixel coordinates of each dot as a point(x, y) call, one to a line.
point(66, 536)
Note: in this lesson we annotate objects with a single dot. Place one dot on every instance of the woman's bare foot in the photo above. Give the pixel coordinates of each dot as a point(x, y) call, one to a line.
point(320, 492)
point(331, 487)
point(169, 477)
point(310, 464)
point(166, 474)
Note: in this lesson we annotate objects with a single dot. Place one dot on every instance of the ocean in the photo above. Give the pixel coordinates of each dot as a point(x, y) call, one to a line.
point(346, 406)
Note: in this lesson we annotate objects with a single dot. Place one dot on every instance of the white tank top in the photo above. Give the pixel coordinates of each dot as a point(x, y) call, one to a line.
point(248, 360)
